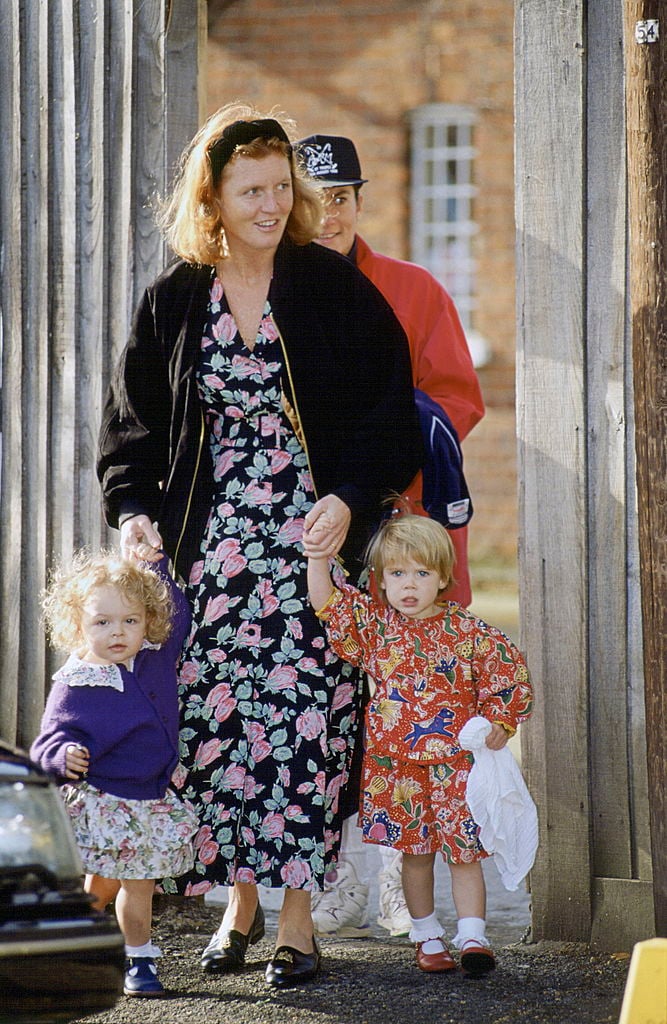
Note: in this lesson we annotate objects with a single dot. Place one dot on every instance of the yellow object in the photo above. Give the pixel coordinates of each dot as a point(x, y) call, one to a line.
point(645, 998)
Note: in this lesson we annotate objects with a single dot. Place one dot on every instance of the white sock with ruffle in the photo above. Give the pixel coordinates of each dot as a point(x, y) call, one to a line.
point(429, 932)
point(471, 928)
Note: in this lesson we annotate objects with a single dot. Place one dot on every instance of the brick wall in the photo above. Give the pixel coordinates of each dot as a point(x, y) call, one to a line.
point(355, 68)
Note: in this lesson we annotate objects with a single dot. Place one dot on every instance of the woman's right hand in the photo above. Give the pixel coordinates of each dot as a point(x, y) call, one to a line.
point(140, 540)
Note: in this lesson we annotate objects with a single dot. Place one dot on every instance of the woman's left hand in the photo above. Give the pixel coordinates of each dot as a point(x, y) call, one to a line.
point(140, 540)
point(327, 524)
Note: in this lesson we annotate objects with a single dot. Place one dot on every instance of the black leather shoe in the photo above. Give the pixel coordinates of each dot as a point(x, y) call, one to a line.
point(227, 949)
point(290, 966)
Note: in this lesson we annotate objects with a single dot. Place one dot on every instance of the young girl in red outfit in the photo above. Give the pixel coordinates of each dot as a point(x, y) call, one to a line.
point(433, 667)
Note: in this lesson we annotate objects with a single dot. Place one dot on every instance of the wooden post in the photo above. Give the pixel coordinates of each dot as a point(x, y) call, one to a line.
point(550, 96)
point(646, 111)
point(83, 151)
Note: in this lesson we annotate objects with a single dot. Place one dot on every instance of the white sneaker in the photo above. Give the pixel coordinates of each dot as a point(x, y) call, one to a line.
point(342, 909)
point(394, 915)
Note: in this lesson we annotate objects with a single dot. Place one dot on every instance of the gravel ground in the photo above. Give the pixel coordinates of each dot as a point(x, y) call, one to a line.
point(371, 981)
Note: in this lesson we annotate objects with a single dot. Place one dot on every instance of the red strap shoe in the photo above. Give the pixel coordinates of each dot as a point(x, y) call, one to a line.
point(434, 963)
point(476, 958)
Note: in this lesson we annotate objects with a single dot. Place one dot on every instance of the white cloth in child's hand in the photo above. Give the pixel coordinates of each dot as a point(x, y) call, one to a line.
point(501, 805)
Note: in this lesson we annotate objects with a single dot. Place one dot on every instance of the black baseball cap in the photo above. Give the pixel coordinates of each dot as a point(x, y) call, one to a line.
point(331, 159)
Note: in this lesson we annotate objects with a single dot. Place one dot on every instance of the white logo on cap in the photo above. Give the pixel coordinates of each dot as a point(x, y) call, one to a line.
point(320, 161)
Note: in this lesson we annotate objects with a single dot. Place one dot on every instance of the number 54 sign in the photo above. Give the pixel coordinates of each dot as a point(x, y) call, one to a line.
point(647, 31)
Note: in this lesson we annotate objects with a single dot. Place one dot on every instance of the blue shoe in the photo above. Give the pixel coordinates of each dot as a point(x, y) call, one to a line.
point(141, 978)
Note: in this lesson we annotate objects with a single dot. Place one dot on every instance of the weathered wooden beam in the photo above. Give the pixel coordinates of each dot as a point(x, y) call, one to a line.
point(11, 471)
point(92, 186)
point(551, 423)
point(185, 78)
point(622, 913)
point(646, 112)
point(34, 288)
point(119, 170)
point(612, 723)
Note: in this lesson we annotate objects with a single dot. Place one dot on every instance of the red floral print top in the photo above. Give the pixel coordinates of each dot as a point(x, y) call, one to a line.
point(431, 675)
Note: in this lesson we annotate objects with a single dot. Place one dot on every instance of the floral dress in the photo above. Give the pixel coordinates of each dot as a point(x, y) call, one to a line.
point(267, 711)
point(431, 676)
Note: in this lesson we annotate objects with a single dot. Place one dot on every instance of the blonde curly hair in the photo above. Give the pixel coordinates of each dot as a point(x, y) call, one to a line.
point(71, 583)
point(190, 218)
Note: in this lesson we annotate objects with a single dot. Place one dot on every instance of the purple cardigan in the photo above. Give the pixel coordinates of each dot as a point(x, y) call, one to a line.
point(131, 733)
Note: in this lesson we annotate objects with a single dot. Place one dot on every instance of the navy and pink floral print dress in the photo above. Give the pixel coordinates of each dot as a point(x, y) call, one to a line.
point(267, 709)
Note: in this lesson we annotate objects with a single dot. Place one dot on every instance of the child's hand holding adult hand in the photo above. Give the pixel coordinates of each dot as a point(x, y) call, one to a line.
point(140, 540)
point(315, 538)
point(326, 526)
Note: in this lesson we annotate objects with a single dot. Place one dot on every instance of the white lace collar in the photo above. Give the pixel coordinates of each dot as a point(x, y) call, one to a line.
point(77, 672)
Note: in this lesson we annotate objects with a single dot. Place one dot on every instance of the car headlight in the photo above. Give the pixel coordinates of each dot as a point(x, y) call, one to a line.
point(34, 828)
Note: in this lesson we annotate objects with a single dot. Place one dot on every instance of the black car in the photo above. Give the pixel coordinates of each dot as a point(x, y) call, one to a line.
point(59, 958)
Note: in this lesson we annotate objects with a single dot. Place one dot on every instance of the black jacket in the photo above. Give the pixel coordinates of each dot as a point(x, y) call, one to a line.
point(347, 375)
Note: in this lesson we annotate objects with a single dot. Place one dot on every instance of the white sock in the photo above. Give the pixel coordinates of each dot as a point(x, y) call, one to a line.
point(471, 928)
point(429, 932)
point(148, 949)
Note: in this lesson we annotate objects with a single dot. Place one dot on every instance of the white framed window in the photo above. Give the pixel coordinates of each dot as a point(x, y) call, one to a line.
point(441, 198)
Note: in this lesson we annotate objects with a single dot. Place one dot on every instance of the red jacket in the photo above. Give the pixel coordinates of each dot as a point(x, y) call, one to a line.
point(441, 362)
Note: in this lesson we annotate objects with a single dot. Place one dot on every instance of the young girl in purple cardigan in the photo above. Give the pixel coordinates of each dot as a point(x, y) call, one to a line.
point(109, 735)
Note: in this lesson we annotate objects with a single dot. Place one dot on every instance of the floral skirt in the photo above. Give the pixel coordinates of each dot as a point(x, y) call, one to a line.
point(138, 839)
